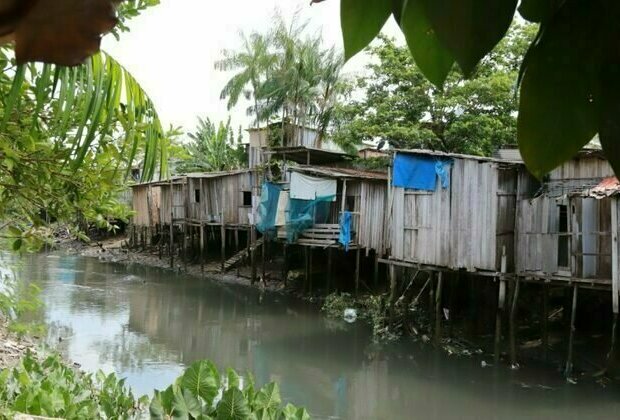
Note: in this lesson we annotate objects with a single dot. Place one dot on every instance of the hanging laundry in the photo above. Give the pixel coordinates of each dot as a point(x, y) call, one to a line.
point(268, 207)
point(345, 229)
point(304, 187)
point(442, 168)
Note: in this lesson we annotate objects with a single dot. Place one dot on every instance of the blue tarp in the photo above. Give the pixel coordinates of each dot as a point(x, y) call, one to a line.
point(268, 208)
point(420, 172)
point(345, 229)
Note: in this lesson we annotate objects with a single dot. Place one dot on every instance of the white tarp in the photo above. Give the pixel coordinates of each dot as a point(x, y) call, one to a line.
point(304, 187)
point(282, 206)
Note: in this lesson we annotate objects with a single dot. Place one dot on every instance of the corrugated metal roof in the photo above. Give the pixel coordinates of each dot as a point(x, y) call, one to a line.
point(606, 188)
point(214, 174)
point(300, 154)
point(340, 172)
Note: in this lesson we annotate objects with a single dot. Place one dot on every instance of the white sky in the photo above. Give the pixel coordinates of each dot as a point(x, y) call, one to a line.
point(171, 50)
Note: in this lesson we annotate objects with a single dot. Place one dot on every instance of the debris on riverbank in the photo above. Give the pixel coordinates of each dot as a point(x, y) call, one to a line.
point(12, 346)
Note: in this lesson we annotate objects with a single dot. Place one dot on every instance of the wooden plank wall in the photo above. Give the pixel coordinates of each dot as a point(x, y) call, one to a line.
point(372, 219)
point(220, 194)
point(142, 197)
point(179, 195)
point(582, 168)
point(456, 227)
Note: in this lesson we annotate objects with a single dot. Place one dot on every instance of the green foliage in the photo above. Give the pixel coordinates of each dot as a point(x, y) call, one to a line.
point(50, 388)
point(566, 76)
point(399, 105)
point(212, 149)
point(200, 394)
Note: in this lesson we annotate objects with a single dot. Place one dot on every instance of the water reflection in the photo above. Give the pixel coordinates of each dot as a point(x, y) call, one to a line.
point(147, 324)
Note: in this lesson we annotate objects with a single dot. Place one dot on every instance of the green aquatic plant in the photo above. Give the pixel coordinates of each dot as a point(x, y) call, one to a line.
point(49, 387)
point(202, 393)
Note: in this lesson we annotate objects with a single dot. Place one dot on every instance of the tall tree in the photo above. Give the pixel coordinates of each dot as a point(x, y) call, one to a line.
point(253, 63)
point(399, 105)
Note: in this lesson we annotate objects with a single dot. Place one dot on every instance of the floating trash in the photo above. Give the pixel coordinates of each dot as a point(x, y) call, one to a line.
point(350, 315)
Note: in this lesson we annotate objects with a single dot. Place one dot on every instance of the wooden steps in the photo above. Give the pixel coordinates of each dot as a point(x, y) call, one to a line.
point(235, 259)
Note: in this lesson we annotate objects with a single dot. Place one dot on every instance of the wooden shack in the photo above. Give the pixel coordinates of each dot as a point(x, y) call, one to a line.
point(220, 197)
point(566, 230)
point(466, 223)
point(363, 193)
point(146, 204)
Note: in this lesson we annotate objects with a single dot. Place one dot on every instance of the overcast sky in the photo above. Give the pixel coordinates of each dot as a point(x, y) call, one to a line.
point(172, 47)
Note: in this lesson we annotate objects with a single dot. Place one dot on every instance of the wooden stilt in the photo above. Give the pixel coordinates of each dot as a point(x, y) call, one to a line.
point(310, 268)
point(375, 276)
point(285, 263)
point(501, 300)
point(544, 321)
point(438, 314)
point(171, 246)
point(307, 270)
point(222, 244)
point(357, 270)
point(571, 336)
point(202, 249)
point(263, 258)
point(392, 299)
point(185, 238)
point(237, 247)
point(513, 324)
point(329, 269)
point(160, 242)
point(431, 297)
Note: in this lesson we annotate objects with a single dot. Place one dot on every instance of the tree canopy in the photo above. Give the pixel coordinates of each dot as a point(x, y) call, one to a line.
point(288, 75)
point(399, 105)
point(569, 76)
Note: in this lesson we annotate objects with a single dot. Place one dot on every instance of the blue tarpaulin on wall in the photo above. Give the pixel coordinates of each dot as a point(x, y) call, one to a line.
point(420, 172)
point(345, 229)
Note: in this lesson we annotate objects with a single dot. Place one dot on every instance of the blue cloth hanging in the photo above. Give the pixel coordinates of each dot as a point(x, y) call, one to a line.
point(420, 172)
point(345, 229)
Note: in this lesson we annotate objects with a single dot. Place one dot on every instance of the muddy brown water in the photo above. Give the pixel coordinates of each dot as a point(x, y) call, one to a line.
point(147, 324)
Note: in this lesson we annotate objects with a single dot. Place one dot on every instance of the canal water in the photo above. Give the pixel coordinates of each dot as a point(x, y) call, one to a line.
point(147, 324)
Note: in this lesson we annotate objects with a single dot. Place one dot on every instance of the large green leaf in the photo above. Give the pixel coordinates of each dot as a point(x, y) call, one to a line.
point(233, 406)
point(539, 10)
point(429, 54)
point(161, 404)
point(268, 398)
point(290, 412)
point(470, 28)
point(203, 380)
point(361, 21)
point(609, 114)
point(557, 109)
point(184, 405)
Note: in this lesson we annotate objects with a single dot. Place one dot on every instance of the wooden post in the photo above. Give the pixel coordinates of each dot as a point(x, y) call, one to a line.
point(438, 313)
point(237, 247)
point(202, 248)
point(571, 336)
point(310, 268)
point(223, 243)
point(253, 262)
point(171, 225)
point(544, 320)
point(285, 263)
point(513, 324)
point(329, 269)
point(307, 273)
point(392, 300)
point(501, 300)
point(160, 245)
point(185, 235)
point(375, 276)
point(263, 258)
point(357, 270)
point(431, 296)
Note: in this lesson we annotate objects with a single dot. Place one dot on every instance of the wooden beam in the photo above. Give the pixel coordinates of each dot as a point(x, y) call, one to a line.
point(544, 320)
point(615, 260)
point(202, 249)
point(329, 269)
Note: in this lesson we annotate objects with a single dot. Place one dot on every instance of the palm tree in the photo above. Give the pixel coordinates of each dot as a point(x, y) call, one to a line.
point(253, 62)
